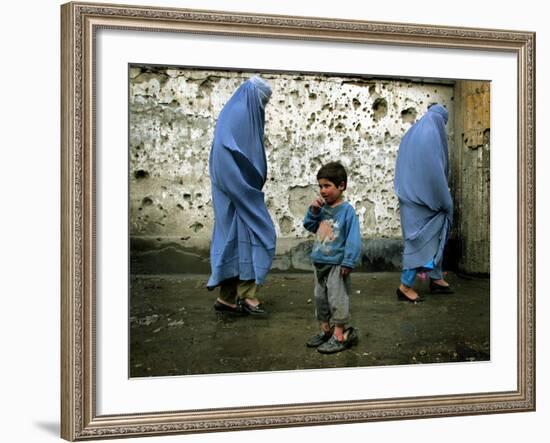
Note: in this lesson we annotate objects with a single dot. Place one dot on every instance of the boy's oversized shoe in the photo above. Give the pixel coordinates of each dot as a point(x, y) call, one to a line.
point(351, 336)
point(333, 345)
point(318, 339)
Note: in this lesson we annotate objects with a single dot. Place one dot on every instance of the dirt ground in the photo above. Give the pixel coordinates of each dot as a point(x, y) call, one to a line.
point(174, 329)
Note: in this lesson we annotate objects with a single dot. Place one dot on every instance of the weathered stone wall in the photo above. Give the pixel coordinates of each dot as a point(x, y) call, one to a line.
point(471, 175)
point(310, 120)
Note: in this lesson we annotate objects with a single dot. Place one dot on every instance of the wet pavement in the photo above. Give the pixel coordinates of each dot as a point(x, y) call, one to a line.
point(174, 329)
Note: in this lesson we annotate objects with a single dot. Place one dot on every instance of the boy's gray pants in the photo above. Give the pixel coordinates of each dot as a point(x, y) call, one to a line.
point(331, 294)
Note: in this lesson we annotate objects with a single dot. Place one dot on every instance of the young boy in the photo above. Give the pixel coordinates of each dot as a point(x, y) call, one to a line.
point(335, 253)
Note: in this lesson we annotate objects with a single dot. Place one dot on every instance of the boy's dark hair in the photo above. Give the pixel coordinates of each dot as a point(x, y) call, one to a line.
point(334, 172)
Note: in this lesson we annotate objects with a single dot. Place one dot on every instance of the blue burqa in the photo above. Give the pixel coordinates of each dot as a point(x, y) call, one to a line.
point(421, 184)
point(243, 239)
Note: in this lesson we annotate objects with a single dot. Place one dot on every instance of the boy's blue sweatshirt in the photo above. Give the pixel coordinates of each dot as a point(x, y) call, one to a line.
point(337, 235)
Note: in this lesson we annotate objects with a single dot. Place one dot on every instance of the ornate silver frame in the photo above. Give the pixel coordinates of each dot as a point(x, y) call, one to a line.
point(80, 21)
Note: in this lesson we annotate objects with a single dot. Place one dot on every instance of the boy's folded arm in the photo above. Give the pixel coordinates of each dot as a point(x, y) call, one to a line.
point(311, 220)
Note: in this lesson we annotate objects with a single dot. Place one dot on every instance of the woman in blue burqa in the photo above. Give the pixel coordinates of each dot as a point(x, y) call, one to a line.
point(243, 239)
point(425, 203)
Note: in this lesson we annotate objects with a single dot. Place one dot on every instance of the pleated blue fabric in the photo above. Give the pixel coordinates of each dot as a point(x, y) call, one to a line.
point(421, 185)
point(243, 238)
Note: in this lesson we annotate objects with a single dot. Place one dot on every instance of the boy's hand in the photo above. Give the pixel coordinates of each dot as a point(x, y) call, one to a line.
point(316, 205)
point(345, 271)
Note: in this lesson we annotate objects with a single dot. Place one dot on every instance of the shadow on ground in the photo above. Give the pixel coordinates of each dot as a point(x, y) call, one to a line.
point(175, 331)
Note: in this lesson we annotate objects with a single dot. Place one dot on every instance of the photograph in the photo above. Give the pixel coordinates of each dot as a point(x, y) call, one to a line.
point(272, 221)
point(297, 220)
point(275, 221)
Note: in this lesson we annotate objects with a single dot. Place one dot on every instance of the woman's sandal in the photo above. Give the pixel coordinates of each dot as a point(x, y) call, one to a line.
point(402, 297)
point(439, 289)
point(222, 307)
point(257, 311)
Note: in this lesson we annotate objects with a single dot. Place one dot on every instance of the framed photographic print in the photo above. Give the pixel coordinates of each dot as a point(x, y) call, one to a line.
point(149, 350)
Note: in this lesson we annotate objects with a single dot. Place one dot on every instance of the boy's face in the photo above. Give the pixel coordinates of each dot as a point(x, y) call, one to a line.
point(329, 191)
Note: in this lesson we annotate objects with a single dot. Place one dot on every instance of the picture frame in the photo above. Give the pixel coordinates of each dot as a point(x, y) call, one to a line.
point(80, 177)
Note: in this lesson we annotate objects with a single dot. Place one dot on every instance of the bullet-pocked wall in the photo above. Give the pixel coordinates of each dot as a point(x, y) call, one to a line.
point(310, 120)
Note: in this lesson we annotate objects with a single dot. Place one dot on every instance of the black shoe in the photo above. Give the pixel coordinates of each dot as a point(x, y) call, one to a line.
point(221, 307)
point(351, 337)
point(439, 289)
point(257, 311)
point(402, 297)
point(318, 339)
